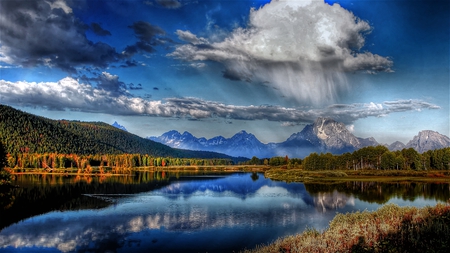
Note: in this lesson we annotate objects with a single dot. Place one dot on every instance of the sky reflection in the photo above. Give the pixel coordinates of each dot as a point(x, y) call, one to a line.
point(211, 215)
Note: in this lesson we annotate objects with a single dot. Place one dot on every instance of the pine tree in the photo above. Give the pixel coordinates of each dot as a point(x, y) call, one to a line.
point(3, 161)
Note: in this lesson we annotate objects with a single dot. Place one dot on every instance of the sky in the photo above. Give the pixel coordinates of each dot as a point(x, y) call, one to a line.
point(221, 66)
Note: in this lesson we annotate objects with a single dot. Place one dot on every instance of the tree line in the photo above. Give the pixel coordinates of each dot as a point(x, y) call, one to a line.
point(378, 157)
point(75, 161)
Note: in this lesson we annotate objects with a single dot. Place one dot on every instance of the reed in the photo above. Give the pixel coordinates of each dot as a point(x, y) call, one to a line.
point(389, 229)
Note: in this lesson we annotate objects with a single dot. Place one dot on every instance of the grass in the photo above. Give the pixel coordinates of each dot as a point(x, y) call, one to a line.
point(298, 175)
point(389, 229)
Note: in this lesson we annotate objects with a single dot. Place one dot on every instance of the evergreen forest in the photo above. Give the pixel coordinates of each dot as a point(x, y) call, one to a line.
point(24, 133)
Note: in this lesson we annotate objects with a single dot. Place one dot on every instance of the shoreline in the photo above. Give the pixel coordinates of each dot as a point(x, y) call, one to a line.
point(273, 173)
point(318, 176)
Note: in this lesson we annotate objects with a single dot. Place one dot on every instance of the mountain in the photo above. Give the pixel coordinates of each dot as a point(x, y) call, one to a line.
point(241, 144)
point(396, 146)
point(428, 140)
point(325, 135)
point(24, 132)
point(117, 125)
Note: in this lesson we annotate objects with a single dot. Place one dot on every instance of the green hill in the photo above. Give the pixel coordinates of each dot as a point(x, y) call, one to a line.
point(24, 132)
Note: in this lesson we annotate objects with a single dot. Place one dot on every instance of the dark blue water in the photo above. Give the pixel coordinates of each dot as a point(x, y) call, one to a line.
point(202, 214)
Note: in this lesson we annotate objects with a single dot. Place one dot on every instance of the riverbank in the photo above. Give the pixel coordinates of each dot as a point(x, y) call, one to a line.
point(274, 173)
point(389, 229)
point(127, 171)
point(297, 175)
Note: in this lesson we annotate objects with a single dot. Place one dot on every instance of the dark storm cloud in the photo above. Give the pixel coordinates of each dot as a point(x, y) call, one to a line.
point(146, 31)
point(170, 4)
point(46, 33)
point(131, 86)
point(97, 29)
point(231, 75)
point(129, 63)
point(148, 35)
point(111, 83)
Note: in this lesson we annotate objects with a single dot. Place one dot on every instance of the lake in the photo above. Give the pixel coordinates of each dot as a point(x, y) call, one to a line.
point(183, 212)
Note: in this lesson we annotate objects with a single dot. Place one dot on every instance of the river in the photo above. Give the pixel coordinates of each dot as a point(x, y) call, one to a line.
point(183, 212)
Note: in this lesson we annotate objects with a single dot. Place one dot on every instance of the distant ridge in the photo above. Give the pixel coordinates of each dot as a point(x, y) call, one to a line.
point(118, 126)
point(25, 132)
point(395, 146)
point(241, 144)
point(324, 135)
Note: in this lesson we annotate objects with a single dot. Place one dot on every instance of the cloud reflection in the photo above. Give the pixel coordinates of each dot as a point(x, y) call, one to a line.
point(188, 210)
point(324, 201)
point(197, 207)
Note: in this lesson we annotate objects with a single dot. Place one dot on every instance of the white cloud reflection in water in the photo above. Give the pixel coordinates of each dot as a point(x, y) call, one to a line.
point(214, 214)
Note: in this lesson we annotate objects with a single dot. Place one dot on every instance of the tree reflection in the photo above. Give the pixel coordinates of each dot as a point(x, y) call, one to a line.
point(41, 193)
point(381, 192)
point(254, 176)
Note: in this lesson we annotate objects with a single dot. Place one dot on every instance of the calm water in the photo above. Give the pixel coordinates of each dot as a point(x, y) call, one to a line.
point(164, 212)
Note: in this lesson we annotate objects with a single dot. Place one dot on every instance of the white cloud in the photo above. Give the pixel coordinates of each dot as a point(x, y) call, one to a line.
point(351, 128)
point(60, 4)
point(69, 94)
point(301, 47)
point(190, 37)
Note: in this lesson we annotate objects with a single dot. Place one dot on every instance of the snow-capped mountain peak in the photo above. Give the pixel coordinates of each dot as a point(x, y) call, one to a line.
point(428, 140)
point(117, 125)
point(324, 135)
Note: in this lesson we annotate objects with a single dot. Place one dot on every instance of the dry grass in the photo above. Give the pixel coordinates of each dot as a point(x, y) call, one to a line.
point(296, 175)
point(322, 176)
point(389, 229)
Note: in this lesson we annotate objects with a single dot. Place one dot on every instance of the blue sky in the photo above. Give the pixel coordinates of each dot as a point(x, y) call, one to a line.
point(218, 67)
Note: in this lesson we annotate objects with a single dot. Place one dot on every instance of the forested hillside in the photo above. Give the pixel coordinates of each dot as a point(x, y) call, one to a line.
point(26, 133)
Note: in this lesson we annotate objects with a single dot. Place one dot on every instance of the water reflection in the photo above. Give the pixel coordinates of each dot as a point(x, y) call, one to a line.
point(324, 201)
point(381, 193)
point(192, 213)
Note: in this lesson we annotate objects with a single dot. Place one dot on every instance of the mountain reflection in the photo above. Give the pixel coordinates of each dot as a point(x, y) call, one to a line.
point(153, 211)
point(172, 212)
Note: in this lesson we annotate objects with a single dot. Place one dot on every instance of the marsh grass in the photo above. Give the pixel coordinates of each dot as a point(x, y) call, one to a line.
point(323, 176)
point(297, 175)
point(389, 229)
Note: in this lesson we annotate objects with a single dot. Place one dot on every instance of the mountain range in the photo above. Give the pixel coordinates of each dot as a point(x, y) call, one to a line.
point(324, 135)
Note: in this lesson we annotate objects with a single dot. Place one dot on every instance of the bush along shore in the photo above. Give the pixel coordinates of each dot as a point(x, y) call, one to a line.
point(389, 229)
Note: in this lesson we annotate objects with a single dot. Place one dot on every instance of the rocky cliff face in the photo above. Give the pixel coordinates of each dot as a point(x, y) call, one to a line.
point(428, 140)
